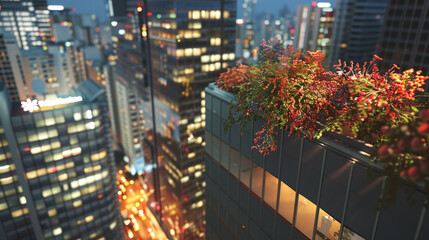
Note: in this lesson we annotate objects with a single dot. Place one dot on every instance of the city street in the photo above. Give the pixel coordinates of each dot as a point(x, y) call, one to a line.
point(139, 222)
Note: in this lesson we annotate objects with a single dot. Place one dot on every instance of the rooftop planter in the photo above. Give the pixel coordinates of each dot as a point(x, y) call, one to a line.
point(291, 90)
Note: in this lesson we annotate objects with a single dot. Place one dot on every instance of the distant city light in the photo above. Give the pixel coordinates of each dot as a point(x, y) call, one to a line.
point(55, 7)
point(267, 22)
point(139, 9)
point(277, 22)
point(323, 5)
point(314, 3)
point(121, 31)
point(114, 23)
point(239, 21)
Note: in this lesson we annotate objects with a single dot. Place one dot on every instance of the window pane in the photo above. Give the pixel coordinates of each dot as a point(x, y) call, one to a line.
point(270, 193)
point(224, 155)
point(286, 202)
point(327, 227)
point(257, 180)
point(305, 216)
point(208, 139)
point(245, 168)
point(234, 161)
point(216, 146)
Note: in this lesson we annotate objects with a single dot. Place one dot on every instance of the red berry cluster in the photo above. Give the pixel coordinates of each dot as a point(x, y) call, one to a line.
point(406, 148)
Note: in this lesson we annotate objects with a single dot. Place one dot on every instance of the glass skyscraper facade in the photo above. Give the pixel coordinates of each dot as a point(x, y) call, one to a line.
point(57, 173)
point(307, 189)
point(27, 20)
point(356, 30)
point(191, 43)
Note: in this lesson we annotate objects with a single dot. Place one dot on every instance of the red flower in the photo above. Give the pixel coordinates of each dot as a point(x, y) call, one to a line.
point(383, 151)
point(424, 128)
point(377, 57)
point(413, 173)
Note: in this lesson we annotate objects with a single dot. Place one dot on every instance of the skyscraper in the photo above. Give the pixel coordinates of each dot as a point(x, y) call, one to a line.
point(10, 72)
point(356, 31)
point(57, 172)
point(314, 25)
point(404, 36)
point(191, 43)
point(125, 84)
point(27, 20)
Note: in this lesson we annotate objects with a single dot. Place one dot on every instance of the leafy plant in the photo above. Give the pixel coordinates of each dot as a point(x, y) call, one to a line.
point(289, 89)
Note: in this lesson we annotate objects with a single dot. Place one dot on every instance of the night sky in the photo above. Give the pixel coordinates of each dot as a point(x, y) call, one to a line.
point(97, 7)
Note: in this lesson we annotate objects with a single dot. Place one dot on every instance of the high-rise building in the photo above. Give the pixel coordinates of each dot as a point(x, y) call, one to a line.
point(307, 189)
point(356, 31)
point(27, 20)
point(404, 36)
point(247, 30)
point(314, 25)
point(191, 43)
point(57, 172)
point(10, 71)
point(126, 88)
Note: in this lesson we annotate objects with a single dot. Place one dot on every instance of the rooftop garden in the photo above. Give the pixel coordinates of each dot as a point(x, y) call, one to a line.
point(293, 91)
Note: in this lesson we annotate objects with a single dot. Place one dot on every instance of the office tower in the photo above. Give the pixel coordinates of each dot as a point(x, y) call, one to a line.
point(10, 72)
point(307, 189)
point(404, 36)
point(27, 20)
point(314, 24)
point(57, 171)
point(191, 43)
point(247, 33)
point(356, 31)
point(122, 8)
point(38, 64)
point(126, 88)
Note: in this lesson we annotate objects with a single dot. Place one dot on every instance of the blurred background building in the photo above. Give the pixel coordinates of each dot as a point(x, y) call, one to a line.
point(57, 171)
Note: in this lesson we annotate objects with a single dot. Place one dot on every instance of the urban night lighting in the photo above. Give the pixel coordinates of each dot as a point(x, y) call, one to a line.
point(55, 7)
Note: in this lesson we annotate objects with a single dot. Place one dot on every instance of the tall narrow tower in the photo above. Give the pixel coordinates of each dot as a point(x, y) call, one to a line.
point(192, 42)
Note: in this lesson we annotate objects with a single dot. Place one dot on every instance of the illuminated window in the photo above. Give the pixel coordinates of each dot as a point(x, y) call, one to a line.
point(245, 169)
point(77, 116)
point(6, 180)
point(257, 180)
point(52, 212)
point(57, 231)
point(77, 203)
point(196, 14)
point(205, 14)
point(19, 212)
point(197, 51)
point(188, 52)
point(31, 174)
point(22, 200)
point(3, 206)
point(98, 156)
point(215, 41)
point(286, 202)
point(89, 218)
point(51, 121)
point(205, 58)
point(194, 25)
point(215, 57)
point(180, 52)
point(226, 14)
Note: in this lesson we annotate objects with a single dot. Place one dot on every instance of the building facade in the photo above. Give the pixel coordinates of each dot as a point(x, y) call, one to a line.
point(27, 20)
point(314, 25)
point(191, 43)
point(307, 189)
point(11, 72)
point(57, 172)
point(404, 36)
point(356, 31)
